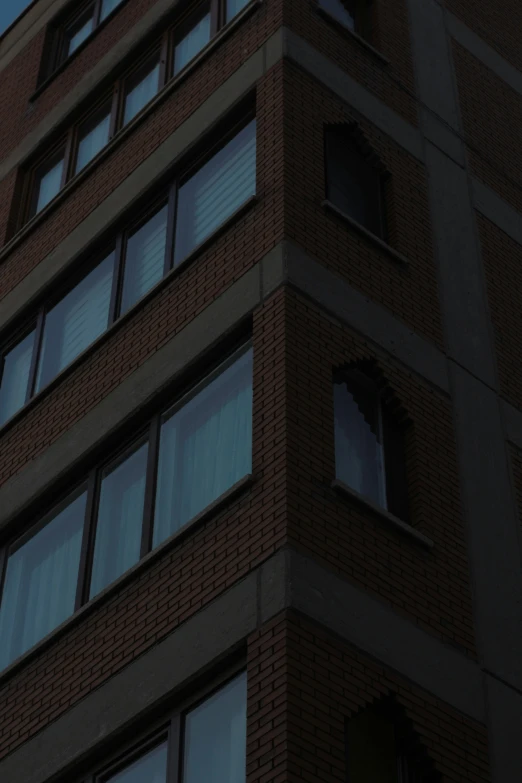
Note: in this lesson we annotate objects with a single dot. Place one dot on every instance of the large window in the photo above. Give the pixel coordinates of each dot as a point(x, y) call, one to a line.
point(369, 444)
point(130, 94)
point(206, 744)
point(192, 208)
point(205, 447)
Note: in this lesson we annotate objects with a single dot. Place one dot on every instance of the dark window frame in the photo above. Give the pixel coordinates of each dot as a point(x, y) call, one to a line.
point(116, 93)
point(91, 482)
point(137, 217)
point(392, 433)
point(361, 17)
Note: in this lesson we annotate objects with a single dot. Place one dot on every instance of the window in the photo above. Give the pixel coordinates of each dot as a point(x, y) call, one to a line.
point(76, 27)
point(354, 182)
point(143, 498)
point(191, 209)
point(369, 444)
point(382, 746)
point(206, 743)
point(129, 96)
point(352, 14)
point(10, 11)
point(216, 191)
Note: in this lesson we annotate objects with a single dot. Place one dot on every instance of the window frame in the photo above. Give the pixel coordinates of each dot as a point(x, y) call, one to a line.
point(91, 483)
point(396, 501)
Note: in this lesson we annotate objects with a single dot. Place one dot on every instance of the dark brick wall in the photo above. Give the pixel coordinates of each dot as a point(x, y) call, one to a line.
point(496, 23)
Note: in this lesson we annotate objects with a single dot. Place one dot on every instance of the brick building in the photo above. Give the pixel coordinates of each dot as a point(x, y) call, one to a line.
point(260, 391)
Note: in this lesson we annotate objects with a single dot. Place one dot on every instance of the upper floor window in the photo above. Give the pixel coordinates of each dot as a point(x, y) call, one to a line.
point(354, 179)
point(352, 14)
point(382, 746)
point(369, 444)
point(10, 10)
point(129, 506)
point(189, 212)
point(76, 27)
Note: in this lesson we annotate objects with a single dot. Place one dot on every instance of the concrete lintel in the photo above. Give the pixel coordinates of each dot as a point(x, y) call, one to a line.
point(484, 52)
point(140, 387)
point(338, 81)
point(286, 580)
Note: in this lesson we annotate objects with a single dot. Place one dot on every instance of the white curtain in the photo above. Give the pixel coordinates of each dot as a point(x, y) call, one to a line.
point(144, 259)
point(120, 518)
point(92, 143)
point(215, 737)
point(141, 94)
point(216, 191)
point(15, 377)
point(192, 43)
point(76, 321)
point(40, 584)
point(205, 448)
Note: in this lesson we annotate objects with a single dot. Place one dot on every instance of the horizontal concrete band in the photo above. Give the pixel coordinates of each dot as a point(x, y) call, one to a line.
point(286, 580)
point(285, 264)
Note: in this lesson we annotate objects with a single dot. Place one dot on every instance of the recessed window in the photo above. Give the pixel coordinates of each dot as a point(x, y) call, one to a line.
point(342, 10)
point(216, 191)
point(14, 377)
point(75, 322)
point(78, 30)
point(48, 182)
point(40, 581)
point(191, 43)
point(145, 258)
point(233, 7)
point(353, 182)
point(205, 448)
point(107, 7)
point(369, 444)
point(93, 136)
point(141, 88)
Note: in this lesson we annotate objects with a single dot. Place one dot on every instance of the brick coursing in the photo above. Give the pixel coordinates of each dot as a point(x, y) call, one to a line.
point(496, 23)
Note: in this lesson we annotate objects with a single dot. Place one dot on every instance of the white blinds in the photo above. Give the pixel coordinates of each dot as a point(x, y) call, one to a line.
point(216, 191)
point(144, 259)
point(14, 378)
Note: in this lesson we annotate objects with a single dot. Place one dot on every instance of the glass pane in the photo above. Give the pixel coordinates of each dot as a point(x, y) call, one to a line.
point(48, 185)
point(107, 7)
point(40, 582)
point(143, 92)
point(358, 447)
point(152, 768)
point(15, 377)
point(342, 10)
point(216, 191)
point(144, 259)
point(92, 140)
point(215, 737)
point(205, 447)
point(120, 516)
point(77, 34)
point(192, 43)
point(234, 7)
point(75, 322)
point(9, 11)
point(371, 749)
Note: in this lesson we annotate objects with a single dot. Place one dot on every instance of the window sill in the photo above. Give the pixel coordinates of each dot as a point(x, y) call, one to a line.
point(189, 528)
point(122, 134)
point(65, 63)
point(94, 346)
point(380, 243)
point(390, 519)
point(350, 34)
